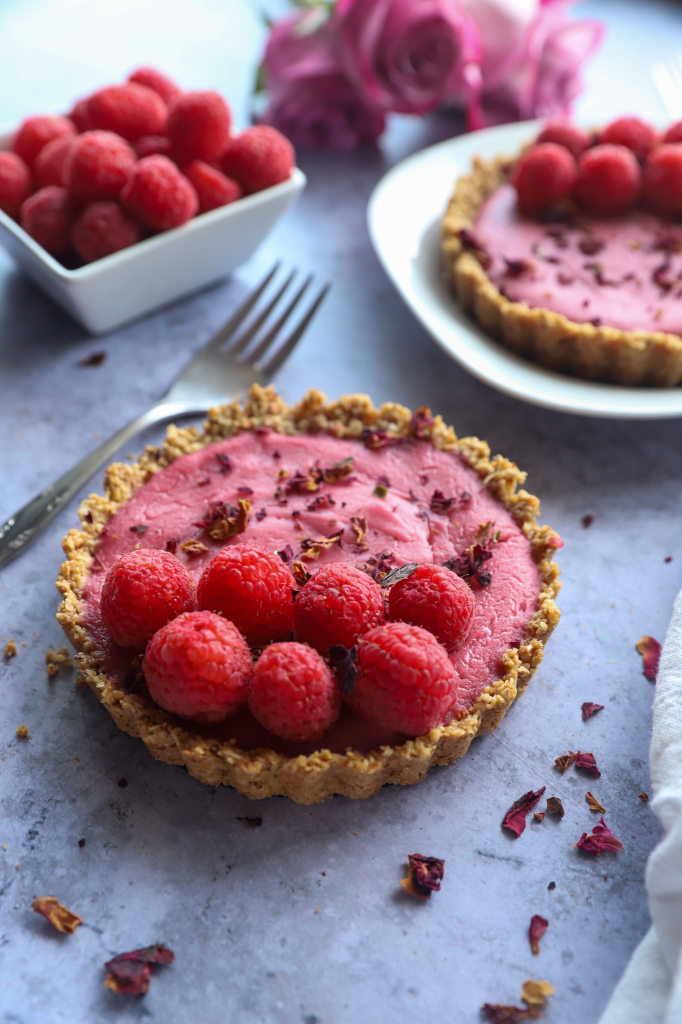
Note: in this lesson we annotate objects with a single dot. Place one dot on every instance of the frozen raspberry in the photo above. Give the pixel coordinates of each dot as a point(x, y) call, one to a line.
point(632, 133)
point(198, 126)
point(79, 115)
point(129, 110)
point(47, 216)
point(159, 195)
point(609, 180)
point(564, 133)
point(674, 133)
point(213, 189)
point(258, 158)
point(156, 80)
point(143, 591)
point(251, 587)
point(405, 681)
point(36, 132)
point(662, 182)
point(15, 183)
point(337, 606)
point(51, 161)
point(196, 666)
point(436, 599)
point(97, 166)
point(151, 145)
point(292, 692)
point(543, 177)
point(103, 228)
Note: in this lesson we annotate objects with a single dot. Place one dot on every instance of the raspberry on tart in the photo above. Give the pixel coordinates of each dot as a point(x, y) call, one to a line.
point(436, 599)
point(142, 592)
point(337, 606)
point(253, 508)
point(591, 285)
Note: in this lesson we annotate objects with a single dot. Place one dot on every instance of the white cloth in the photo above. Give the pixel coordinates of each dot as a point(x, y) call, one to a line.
point(650, 991)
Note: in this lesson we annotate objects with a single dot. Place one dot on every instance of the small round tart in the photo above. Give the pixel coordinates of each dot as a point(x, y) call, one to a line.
point(320, 482)
point(599, 298)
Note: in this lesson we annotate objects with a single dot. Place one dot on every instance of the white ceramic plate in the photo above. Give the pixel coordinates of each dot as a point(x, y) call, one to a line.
point(131, 283)
point(404, 217)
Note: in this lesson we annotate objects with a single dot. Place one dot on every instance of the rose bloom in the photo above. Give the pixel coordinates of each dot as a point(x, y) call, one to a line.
point(533, 55)
point(408, 55)
point(312, 101)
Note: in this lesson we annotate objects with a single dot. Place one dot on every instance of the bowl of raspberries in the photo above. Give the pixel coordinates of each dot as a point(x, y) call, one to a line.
point(139, 196)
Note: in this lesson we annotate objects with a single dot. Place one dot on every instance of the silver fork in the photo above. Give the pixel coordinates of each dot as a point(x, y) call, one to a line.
point(221, 371)
point(667, 77)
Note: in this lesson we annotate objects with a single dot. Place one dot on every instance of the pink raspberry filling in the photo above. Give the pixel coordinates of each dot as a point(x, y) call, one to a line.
point(399, 527)
point(623, 272)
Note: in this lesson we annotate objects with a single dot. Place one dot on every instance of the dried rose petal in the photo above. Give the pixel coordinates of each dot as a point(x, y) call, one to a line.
point(421, 421)
point(499, 1014)
point(539, 815)
point(342, 661)
point(566, 760)
point(535, 992)
point(587, 520)
point(538, 927)
point(57, 914)
point(374, 439)
point(223, 521)
point(252, 822)
point(593, 803)
point(644, 797)
point(395, 575)
point(515, 818)
point(601, 839)
point(424, 876)
point(129, 973)
point(225, 462)
point(587, 763)
point(588, 709)
point(650, 649)
point(555, 806)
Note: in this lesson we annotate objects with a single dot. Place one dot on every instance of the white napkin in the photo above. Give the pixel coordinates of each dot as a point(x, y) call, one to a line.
point(650, 991)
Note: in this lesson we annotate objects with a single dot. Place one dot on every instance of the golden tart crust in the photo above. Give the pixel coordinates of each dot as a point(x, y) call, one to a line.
point(582, 350)
point(306, 779)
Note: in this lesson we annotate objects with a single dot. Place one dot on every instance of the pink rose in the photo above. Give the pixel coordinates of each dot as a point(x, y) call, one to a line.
point(312, 101)
point(408, 55)
point(533, 55)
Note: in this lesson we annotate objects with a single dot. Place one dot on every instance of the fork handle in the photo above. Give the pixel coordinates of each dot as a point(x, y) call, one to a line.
point(25, 524)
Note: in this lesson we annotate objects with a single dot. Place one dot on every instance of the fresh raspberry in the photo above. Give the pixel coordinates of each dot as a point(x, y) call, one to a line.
point(36, 132)
point(436, 599)
point(337, 606)
point(564, 133)
point(159, 195)
point(15, 183)
point(609, 180)
point(196, 666)
point(674, 133)
point(129, 110)
point(51, 161)
point(632, 133)
point(543, 177)
point(662, 181)
point(213, 189)
point(251, 587)
point(97, 166)
point(151, 145)
point(79, 115)
point(103, 228)
point(143, 591)
point(405, 681)
point(198, 126)
point(47, 216)
point(258, 158)
point(156, 80)
point(292, 692)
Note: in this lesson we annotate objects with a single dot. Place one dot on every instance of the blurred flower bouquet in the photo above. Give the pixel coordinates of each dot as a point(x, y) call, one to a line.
point(333, 70)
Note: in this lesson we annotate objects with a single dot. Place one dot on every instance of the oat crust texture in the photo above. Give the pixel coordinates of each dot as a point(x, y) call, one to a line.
point(306, 779)
point(597, 353)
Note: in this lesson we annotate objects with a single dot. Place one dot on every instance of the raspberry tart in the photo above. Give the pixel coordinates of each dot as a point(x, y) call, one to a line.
point(570, 254)
point(255, 601)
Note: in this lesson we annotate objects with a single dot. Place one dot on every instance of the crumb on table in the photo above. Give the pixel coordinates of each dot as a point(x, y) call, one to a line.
point(53, 659)
point(10, 649)
point(22, 732)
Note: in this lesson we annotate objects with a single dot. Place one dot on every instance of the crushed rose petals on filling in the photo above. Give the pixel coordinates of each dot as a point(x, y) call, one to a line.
point(515, 818)
point(424, 875)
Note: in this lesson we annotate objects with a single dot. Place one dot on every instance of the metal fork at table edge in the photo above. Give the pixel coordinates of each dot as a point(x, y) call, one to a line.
point(20, 529)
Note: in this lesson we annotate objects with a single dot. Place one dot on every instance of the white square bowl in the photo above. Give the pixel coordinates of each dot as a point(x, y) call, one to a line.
point(130, 283)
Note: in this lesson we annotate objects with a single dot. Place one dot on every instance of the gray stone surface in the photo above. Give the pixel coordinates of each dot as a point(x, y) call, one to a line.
point(302, 921)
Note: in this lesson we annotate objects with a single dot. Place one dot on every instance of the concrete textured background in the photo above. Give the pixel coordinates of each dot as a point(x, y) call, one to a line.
point(303, 920)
